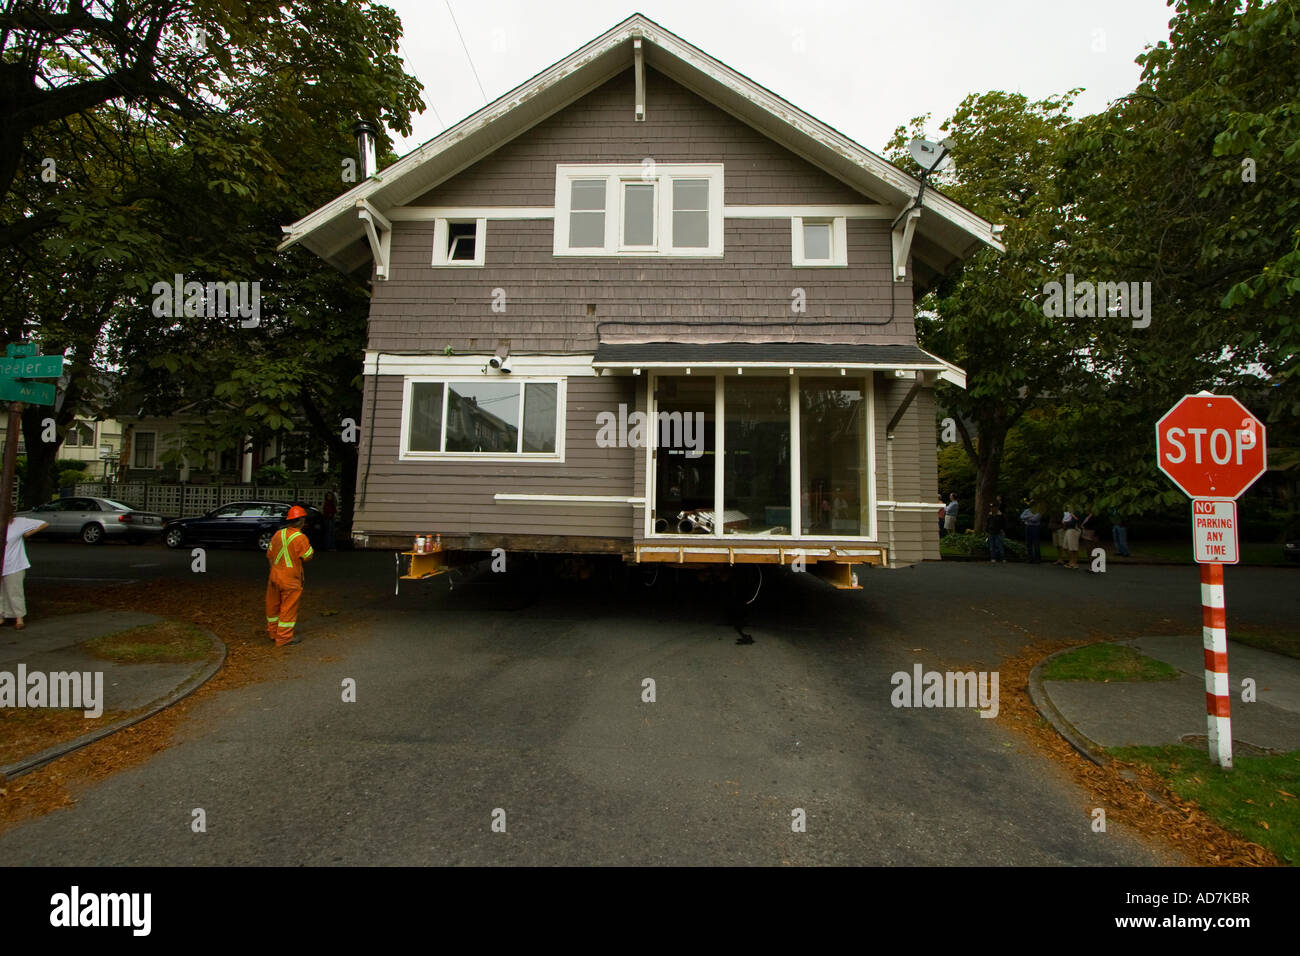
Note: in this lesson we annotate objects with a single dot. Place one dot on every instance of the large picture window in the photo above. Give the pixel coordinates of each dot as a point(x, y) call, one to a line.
point(450, 419)
point(638, 210)
point(832, 456)
point(768, 456)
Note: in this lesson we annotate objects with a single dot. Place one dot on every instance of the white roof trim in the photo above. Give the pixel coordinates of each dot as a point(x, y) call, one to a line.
point(656, 36)
point(950, 373)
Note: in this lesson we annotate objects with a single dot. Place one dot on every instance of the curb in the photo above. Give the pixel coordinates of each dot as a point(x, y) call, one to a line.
point(191, 684)
point(1045, 707)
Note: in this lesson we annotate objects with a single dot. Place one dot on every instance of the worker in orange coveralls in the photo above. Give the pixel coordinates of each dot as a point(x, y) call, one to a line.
point(289, 551)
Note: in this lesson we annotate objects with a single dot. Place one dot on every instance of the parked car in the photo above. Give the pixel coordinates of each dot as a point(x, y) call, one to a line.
point(1292, 549)
point(243, 523)
point(95, 520)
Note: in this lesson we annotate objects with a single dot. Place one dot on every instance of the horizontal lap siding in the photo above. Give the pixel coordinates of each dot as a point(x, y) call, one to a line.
point(915, 469)
point(549, 300)
point(456, 497)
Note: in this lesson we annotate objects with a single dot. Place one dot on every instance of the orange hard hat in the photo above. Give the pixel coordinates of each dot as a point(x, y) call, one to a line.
point(297, 511)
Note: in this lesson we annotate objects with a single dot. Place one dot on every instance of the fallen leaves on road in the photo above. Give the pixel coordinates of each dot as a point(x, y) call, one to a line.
point(1131, 794)
point(232, 610)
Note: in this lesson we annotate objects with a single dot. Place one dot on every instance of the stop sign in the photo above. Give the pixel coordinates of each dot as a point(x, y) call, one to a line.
point(1211, 446)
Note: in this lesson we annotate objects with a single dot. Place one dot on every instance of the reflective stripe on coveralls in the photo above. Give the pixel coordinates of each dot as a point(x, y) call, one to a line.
point(284, 587)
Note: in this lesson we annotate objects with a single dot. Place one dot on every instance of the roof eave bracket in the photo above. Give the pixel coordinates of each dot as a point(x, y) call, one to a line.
point(638, 59)
point(380, 241)
point(901, 238)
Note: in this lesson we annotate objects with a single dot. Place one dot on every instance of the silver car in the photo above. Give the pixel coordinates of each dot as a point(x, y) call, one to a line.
point(94, 519)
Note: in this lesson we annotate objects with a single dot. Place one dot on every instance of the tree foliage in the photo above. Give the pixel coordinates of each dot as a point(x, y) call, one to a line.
point(1190, 183)
point(154, 138)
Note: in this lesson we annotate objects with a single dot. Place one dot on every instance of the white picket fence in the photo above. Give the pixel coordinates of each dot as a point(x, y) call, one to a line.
point(182, 500)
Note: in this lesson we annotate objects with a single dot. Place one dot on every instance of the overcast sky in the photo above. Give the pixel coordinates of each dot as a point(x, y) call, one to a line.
point(864, 67)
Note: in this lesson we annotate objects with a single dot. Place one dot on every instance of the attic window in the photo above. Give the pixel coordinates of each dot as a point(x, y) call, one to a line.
point(641, 210)
point(459, 242)
point(818, 242)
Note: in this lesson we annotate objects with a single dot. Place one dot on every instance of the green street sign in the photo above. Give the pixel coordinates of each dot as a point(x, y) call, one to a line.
point(33, 393)
point(34, 366)
point(22, 350)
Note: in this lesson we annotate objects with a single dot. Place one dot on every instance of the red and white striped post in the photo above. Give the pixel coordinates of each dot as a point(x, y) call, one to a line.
point(1213, 449)
point(1214, 632)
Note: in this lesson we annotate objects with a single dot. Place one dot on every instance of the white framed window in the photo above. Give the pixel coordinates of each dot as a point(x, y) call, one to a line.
point(81, 435)
point(638, 210)
point(639, 215)
point(459, 243)
point(777, 456)
point(144, 450)
point(495, 418)
point(819, 241)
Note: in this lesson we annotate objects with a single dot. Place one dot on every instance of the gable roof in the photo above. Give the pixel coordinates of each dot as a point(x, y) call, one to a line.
point(946, 231)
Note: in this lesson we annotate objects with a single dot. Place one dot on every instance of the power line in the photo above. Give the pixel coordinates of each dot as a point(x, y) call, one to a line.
point(401, 48)
point(466, 49)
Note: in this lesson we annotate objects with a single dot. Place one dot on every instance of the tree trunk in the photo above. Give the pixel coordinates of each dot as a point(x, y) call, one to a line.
point(988, 468)
point(40, 482)
point(347, 495)
point(343, 452)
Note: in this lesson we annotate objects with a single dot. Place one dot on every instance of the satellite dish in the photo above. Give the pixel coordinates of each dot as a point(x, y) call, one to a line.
point(927, 154)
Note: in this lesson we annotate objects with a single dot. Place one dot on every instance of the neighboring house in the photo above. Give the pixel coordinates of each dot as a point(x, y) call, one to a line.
point(149, 444)
point(641, 229)
point(95, 442)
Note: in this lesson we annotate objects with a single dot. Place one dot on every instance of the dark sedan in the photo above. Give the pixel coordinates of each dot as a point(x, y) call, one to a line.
point(241, 523)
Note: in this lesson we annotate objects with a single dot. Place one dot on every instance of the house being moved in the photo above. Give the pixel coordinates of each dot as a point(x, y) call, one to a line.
point(641, 305)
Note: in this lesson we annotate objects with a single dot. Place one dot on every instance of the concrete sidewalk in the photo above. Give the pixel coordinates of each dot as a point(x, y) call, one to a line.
point(1094, 715)
point(54, 645)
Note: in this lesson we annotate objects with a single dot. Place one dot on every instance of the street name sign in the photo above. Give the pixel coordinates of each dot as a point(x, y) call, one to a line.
point(33, 393)
point(1214, 530)
point(35, 366)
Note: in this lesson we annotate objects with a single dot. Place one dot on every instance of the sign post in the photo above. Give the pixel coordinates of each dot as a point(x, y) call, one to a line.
point(1213, 449)
point(20, 364)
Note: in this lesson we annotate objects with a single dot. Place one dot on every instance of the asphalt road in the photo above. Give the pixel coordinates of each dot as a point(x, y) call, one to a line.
point(522, 693)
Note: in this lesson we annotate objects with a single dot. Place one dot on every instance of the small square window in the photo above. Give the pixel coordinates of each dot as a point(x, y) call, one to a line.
point(459, 242)
point(818, 242)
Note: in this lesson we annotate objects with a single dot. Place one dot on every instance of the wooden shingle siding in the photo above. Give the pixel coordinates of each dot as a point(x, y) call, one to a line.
point(547, 299)
point(456, 497)
point(556, 304)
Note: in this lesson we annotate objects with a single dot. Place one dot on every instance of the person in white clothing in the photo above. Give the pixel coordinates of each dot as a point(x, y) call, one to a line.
point(13, 602)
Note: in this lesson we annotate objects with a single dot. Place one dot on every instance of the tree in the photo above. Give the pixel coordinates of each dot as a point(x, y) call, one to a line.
point(148, 139)
point(987, 316)
point(202, 71)
point(1191, 184)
